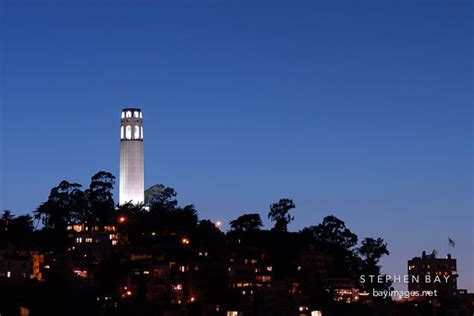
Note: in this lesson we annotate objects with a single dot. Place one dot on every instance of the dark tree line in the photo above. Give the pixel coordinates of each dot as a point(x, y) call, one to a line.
point(69, 203)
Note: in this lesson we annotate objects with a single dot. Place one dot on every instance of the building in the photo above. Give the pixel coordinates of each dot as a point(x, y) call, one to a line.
point(131, 157)
point(18, 269)
point(431, 274)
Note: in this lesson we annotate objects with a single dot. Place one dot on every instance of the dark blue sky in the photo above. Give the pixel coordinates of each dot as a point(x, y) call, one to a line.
point(354, 108)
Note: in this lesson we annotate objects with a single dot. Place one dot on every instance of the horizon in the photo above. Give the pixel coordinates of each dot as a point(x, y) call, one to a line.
point(244, 105)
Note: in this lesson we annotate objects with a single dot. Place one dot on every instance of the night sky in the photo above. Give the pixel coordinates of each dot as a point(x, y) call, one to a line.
point(354, 108)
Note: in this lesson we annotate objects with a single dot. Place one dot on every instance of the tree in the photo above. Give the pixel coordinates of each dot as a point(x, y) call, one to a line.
point(161, 196)
point(21, 225)
point(6, 219)
point(247, 222)
point(165, 214)
point(16, 229)
point(100, 198)
point(333, 231)
point(185, 218)
point(334, 237)
point(65, 203)
point(372, 250)
point(279, 213)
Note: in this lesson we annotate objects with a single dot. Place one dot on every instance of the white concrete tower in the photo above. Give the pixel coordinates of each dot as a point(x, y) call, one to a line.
point(132, 178)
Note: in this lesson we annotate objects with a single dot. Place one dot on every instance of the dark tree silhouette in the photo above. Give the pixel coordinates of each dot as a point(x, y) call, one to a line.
point(6, 219)
point(164, 212)
point(333, 231)
point(16, 229)
point(65, 203)
point(371, 251)
point(247, 222)
point(334, 237)
point(100, 198)
point(279, 213)
point(162, 196)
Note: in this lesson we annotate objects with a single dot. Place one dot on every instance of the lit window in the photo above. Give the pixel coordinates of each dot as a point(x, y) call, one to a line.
point(128, 132)
point(78, 240)
point(114, 242)
point(136, 132)
point(135, 114)
point(9, 274)
point(121, 132)
point(129, 114)
point(88, 240)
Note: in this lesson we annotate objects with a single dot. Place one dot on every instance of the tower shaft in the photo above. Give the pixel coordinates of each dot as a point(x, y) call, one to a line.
point(131, 157)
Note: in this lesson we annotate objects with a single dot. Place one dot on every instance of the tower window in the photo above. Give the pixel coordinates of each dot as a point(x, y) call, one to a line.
point(128, 132)
point(129, 114)
point(121, 132)
point(136, 132)
point(141, 131)
point(123, 114)
point(135, 114)
point(140, 114)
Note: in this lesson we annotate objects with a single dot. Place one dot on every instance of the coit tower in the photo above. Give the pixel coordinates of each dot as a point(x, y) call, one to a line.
point(131, 157)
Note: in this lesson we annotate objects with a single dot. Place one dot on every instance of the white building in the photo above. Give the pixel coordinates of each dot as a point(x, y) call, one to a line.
point(131, 157)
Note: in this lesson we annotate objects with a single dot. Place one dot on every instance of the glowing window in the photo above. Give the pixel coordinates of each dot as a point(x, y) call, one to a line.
point(121, 132)
point(141, 131)
point(136, 132)
point(128, 132)
point(129, 114)
point(123, 114)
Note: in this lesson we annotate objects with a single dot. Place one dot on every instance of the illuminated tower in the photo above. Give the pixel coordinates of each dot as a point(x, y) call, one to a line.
point(131, 157)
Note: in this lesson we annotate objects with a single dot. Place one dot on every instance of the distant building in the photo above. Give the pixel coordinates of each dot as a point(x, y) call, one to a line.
point(429, 273)
point(131, 157)
point(15, 270)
